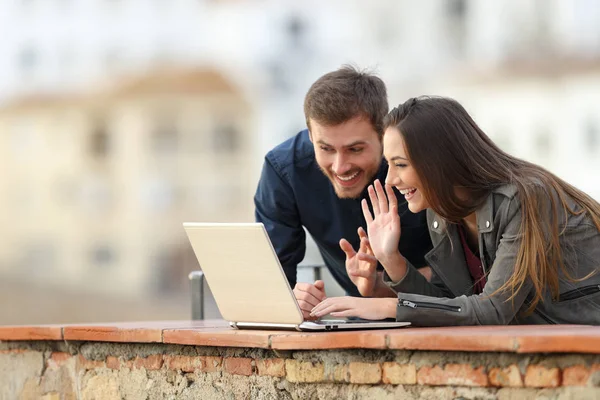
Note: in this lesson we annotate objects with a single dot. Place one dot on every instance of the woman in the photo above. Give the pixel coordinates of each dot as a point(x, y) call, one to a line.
point(513, 243)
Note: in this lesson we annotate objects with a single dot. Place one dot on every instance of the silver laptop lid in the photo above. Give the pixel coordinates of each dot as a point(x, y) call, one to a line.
point(243, 272)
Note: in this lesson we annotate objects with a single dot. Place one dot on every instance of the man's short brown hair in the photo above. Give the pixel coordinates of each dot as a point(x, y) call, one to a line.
point(346, 93)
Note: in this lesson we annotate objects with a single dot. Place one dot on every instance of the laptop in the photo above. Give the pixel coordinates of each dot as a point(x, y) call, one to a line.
point(248, 283)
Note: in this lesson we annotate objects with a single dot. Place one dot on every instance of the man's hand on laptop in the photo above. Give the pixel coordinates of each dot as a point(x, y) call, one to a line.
point(308, 296)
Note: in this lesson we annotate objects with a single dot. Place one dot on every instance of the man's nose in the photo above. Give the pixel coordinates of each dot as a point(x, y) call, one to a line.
point(340, 165)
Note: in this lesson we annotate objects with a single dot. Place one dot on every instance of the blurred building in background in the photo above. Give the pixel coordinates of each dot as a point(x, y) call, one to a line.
point(549, 114)
point(119, 120)
point(98, 186)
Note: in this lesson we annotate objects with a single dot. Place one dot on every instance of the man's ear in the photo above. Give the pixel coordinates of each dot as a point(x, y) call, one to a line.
point(310, 136)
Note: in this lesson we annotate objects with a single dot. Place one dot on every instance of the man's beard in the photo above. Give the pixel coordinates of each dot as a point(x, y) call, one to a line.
point(353, 192)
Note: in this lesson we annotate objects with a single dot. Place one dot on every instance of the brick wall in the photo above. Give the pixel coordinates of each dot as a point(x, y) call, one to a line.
point(55, 370)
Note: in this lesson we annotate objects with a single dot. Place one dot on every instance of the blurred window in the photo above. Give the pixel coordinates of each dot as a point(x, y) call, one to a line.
point(100, 140)
point(165, 137)
point(387, 32)
point(103, 255)
point(456, 11)
point(97, 196)
point(592, 137)
point(296, 31)
point(542, 34)
point(277, 75)
point(543, 142)
point(158, 194)
point(28, 59)
point(218, 195)
point(168, 275)
point(226, 138)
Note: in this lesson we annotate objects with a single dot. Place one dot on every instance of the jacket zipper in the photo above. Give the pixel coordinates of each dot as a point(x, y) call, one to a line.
point(424, 304)
point(580, 292)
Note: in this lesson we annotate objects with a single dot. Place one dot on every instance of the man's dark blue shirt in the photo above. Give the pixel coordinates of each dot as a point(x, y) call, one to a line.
point(293, 193)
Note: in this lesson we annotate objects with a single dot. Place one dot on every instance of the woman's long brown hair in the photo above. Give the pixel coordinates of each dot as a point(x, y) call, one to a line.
point(449, 151)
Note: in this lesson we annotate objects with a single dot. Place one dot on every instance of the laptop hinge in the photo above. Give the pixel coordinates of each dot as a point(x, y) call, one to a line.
point(233, 325)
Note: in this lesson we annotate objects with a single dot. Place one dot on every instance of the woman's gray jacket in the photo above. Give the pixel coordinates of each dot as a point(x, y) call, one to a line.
point(449, 300)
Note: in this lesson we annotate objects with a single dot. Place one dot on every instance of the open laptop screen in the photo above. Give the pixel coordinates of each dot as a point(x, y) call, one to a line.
point(243, 272)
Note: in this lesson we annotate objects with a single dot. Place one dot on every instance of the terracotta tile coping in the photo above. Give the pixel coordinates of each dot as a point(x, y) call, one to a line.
point(515, 339)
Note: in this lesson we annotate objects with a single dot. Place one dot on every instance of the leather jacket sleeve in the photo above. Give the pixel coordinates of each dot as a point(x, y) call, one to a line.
point(416, 304)
point(415, 282)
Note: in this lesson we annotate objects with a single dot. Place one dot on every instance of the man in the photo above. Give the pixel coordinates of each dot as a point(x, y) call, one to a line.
point(317, 179)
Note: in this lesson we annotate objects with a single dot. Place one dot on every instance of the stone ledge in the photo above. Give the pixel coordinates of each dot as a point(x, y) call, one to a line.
point(217, 333)
point(118, 370)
